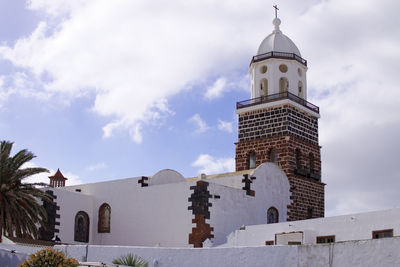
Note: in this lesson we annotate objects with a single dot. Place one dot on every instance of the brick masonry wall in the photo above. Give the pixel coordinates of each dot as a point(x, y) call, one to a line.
point(278, 121)
point(307, 191)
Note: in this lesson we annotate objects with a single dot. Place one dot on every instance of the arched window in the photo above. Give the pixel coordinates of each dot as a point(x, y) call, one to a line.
point(103, 225)
point(298, 159)
point(283, 85)
point(264, 87)
point(272, 156)
point(310, 213)
point(300, 87)
point(272, 215)
point(311, 158)
point(81, 227)
point(252, 160)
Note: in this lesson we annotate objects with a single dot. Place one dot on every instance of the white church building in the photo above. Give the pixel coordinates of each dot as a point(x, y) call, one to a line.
point(274, 197)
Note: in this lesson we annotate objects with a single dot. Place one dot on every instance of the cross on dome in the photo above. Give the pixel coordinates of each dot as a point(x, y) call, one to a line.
point(277, 41)
point(276, 20)
point(276, 10)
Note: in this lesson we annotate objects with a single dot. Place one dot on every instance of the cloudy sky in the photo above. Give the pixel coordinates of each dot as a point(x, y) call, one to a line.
point(114, 89)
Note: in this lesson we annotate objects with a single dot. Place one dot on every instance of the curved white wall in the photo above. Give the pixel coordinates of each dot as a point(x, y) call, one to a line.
point(273, 75)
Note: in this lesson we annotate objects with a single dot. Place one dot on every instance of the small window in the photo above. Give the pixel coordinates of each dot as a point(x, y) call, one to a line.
point(272, 156)
point(325, 239)
point(104, 218)
point(263, 69)
point(382, 234)
point(298, 159)
point(294, 243)
point(283, 85)
point(272, 215)
point(309, 213)
point(269, 243)
point(252, 160)
point(283, 68)
point(311, 158)
point(300, 86)
point(81, 233)
point(264, 87)
point(299, 71)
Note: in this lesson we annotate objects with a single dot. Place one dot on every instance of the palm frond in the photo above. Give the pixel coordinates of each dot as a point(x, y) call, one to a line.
point(131, 260)
point(20, 210)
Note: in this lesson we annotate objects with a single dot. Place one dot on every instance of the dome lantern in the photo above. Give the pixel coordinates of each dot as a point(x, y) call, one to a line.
point(278, 68)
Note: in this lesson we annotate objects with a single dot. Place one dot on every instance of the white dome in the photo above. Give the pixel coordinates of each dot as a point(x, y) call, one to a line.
point(277, 42)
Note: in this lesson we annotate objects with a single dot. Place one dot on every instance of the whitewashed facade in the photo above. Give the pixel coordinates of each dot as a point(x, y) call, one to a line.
point(158, 214)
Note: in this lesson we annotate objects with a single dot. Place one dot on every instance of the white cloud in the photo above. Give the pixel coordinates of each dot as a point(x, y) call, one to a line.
point(44, 176)
point(96, 167)
point(4, 91)
point(225, 126)
point(133, 55)
point(223, 85)
point(210, 165)
point(216, 89)
point(199, 123)
point(136, 54)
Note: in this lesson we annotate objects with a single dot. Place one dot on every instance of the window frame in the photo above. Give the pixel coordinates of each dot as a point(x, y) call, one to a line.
point(382, 232)
point(325, 238)
point(252, 159)
point(82, 235)
point(273, 156)
point(100, 225)
point(275, 211)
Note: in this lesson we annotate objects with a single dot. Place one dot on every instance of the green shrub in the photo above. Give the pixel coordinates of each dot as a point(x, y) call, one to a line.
point(49, 257)
point(131, 260)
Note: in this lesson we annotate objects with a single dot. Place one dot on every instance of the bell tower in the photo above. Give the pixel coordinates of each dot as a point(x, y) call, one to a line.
point(279, 125)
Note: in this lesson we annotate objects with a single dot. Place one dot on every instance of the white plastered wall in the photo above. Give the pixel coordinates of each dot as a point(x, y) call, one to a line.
point(344, 228)
point(235, 208)
point(156, 215)
point(70, 204)
point(273, 75)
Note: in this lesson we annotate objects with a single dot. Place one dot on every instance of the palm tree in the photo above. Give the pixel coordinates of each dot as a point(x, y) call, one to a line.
point(21, 212)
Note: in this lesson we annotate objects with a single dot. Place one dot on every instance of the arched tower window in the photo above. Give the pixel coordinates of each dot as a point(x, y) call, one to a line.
point(272, 156)
point(311, 159)
point(104, 218)
point(252, 160)
point(310, 213)
point(283, 85)
point(300, 87)
point(81, 227)
point(264, 87)
point(298, 159)
point(272, 215)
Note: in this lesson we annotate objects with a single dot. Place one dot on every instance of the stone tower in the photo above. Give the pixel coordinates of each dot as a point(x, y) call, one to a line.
point(279, 125)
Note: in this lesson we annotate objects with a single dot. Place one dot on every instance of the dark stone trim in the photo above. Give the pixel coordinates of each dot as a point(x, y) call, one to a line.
point(200, 204)
point(46, 233)
point(143, 182)
point(247, 185)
